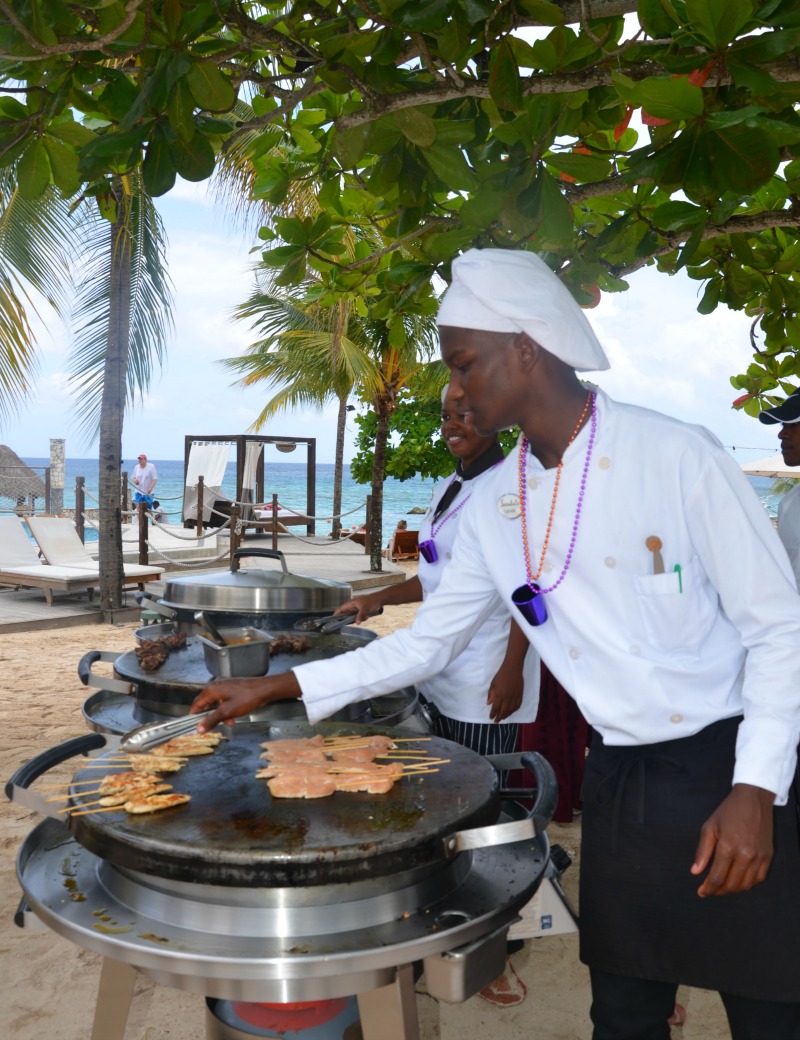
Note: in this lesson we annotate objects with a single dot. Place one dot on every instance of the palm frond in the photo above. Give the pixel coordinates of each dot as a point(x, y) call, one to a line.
point(151, 306)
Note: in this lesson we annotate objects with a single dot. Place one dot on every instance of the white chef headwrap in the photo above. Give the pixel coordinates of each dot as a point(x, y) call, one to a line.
point(510, 290)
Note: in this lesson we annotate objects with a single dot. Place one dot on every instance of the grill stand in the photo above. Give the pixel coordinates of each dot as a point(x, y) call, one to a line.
point(388, 1013)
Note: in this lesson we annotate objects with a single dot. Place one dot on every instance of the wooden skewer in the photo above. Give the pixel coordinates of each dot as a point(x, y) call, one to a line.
point(105, 808)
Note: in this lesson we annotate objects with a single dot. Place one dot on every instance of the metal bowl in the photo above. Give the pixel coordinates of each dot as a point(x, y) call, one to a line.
point(246, 652)
point(158, 631)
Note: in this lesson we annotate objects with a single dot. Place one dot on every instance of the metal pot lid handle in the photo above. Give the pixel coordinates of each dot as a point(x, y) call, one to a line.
point(154, 733)
point(529, 827)
point(102, 682)
point(17, 787)
point(149, 602)
point(270, 554)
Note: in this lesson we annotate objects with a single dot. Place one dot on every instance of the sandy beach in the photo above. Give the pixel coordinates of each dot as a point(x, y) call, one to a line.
point(50, 984)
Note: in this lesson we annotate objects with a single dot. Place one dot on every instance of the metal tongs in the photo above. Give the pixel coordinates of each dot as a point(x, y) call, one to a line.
point(330, 623)
point(154, 733)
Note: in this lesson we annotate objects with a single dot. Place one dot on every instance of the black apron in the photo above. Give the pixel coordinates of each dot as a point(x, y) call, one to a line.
point(640, 914)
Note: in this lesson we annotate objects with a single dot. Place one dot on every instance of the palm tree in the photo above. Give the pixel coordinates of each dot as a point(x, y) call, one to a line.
point(314, 353)
point(306, 352)
point(123, 302)
point(34, 237)
point(124, 305)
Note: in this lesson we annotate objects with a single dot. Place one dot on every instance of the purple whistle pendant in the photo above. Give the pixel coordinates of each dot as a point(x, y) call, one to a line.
point(428, 550)
point(530, 601)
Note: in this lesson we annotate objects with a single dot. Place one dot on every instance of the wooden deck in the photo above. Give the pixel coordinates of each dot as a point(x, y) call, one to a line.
point(23, 610)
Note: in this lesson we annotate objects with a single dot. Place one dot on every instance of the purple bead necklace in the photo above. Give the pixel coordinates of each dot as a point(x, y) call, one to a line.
point(528, 597)
point(428, 547)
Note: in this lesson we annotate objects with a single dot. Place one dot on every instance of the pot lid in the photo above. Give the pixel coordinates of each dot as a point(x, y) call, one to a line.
point(255, 590)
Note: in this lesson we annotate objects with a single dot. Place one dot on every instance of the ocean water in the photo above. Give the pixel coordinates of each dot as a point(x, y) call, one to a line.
point(285, 479)
point(288, 481)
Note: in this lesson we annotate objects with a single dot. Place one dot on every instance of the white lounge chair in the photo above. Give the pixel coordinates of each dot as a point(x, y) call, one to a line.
point(60, 545)
point(21, 566)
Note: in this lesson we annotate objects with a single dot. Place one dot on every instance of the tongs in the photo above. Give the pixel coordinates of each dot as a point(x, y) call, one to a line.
point(330, 623)
point(154, 733)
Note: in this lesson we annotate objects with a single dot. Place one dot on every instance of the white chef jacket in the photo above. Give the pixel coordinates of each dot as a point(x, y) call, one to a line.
point(789, 527)
point(459, 690)
point(648, 657)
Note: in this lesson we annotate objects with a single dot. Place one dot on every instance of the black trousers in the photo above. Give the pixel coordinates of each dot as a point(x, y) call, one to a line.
point(638, 1009)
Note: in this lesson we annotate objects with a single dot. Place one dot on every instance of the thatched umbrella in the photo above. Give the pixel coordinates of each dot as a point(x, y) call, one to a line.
point(17, 480)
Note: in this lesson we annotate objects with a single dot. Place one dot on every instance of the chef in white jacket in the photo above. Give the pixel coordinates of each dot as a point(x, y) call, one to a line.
point(642, 568)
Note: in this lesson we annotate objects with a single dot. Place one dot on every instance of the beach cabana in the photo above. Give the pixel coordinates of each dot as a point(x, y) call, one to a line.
point(18, 481)
point(207, 457)
point(771, 466)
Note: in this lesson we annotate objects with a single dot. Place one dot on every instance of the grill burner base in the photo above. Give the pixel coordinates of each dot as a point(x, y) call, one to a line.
point(122, 918)
point(321, 1020)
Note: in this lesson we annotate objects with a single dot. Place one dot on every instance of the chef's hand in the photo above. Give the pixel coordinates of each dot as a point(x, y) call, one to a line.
point(505, 693)
point(363, 606)
point(236, 697)
point(736, 840)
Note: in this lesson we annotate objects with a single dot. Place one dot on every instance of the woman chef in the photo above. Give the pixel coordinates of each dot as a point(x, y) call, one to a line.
point(494, 680)
point(643, 569)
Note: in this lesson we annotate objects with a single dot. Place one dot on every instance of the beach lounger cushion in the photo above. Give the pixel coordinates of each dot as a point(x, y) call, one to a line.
point(61, 547)
point(22, 567)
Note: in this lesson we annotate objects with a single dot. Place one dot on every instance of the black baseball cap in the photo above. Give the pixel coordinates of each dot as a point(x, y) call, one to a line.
point(788, 412)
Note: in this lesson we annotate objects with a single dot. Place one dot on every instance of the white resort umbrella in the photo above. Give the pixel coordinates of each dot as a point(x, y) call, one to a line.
point(771, 466)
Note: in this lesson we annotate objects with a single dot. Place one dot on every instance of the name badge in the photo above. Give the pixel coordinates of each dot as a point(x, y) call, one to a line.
point(509, 507)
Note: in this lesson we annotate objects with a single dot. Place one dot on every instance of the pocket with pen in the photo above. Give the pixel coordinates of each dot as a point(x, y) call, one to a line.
point(678, 608)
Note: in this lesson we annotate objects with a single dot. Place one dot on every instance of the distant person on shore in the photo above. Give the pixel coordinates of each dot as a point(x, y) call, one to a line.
point(402, 525)
point(788, 414)
point(144, 479)
point(633, 552)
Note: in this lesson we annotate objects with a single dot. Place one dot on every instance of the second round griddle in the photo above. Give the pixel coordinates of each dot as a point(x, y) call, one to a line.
point(233, 832)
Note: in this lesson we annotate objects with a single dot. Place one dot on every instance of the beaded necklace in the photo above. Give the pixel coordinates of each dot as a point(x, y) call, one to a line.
point(428, 547)
point(528, 597)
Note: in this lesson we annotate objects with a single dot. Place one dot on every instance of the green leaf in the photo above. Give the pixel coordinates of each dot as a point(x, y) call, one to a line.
point(423, 17)
point(181, 111)
point(10, 108)
point(675, 216)
point(665, 98)
point(194, 160)
point(656, 19)
point(158, 167)
point(451, 166)
point(67, 130)
point(718, 21)
point(482, 209)
point(550, 212)
point(210, 88)
point(349, 146)
point(173, 15)
point(107, 151)
point(505, 86)
point(33, 170)
point(294, 272)
point(710, 298)
point(742, 158)
point(581, 167)
point(416, 126)
point(64, 165)
point(543, 11)
point(689, 250)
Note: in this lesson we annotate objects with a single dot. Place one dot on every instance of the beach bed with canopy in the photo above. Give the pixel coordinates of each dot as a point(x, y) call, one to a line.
point(207, 457)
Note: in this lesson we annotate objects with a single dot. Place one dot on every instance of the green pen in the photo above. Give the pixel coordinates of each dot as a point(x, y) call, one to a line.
point(677, 569)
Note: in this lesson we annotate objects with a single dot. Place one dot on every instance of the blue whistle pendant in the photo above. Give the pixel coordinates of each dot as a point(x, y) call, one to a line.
point(428, 551)
point(530, 603)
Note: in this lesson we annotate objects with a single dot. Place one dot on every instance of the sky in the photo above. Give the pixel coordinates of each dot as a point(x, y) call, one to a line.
point(664, 355)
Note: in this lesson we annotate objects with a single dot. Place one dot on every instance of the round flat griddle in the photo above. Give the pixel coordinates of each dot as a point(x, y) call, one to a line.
point(184, 674)
point(233, 832)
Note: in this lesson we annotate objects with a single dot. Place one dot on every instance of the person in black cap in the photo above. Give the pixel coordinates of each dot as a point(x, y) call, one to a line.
point(788, 414)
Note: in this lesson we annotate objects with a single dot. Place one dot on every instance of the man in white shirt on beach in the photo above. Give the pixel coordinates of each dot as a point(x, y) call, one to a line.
point(144, 478)
point(636, 558)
